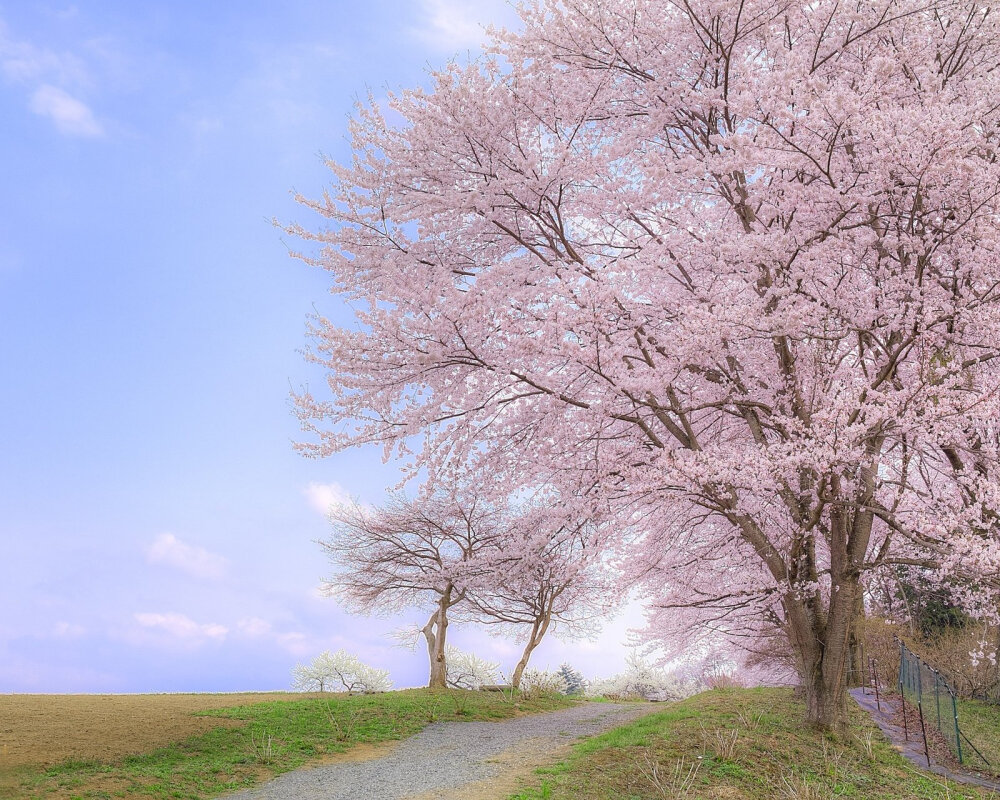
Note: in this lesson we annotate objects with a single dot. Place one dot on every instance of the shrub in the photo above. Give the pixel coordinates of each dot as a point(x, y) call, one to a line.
point(719, 671)
point(879, 638)
point(724, 680)
point(340, 672)
point(967, 657)
point(469, 671)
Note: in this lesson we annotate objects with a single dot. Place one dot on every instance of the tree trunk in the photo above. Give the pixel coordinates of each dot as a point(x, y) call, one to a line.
point(822, 638)
point(822, 643)
point(537, 632)
point(435, 632)
point(858, 672)
point(826, 705)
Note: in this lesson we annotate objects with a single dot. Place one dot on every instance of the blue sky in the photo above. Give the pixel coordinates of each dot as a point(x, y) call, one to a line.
point(157, 527)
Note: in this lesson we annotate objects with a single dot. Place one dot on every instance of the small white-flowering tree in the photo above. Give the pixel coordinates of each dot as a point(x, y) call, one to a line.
point(469, 671)
point(538, 681)
point(643, 681)
point(340, 672)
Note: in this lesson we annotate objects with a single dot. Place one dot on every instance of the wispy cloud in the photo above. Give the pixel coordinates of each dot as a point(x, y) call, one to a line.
point(296, 643)
point(68, 630)
point(460, 24)
point(23, 62)
point(161, 628)
point(54, 81)
point(182, 627)
point(324, 496)
point(253, 626)
point(169, 550)
point(70, 116)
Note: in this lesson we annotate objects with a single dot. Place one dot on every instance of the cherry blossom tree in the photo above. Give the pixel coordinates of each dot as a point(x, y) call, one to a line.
point(547, 574)
point(728, 267)
point(519, 568)
point(410, 553)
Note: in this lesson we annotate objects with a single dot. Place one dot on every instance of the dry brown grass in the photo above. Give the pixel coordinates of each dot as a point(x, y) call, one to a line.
point(151, 746)
point(38, 729)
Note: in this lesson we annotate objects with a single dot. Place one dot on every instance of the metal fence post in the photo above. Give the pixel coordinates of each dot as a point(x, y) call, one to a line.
point(920, 711)
point(902, 683)
point(937, 698)
point(958, 734)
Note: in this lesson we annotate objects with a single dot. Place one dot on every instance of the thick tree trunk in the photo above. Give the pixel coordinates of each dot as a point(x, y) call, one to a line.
point(822, 671)
point(435, 632)
point(534, 639)
point(822, 643)
point(826, 705)
point(823, 638)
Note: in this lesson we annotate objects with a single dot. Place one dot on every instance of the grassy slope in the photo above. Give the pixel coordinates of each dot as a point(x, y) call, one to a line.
point(981, 723)
point(738, 745)
point(276, 737)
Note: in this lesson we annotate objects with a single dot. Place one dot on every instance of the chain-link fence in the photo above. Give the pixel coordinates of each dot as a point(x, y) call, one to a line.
point(936, 706)
point(863, 673)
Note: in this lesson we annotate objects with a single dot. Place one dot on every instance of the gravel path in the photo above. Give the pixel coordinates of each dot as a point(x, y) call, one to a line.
point(478, 758)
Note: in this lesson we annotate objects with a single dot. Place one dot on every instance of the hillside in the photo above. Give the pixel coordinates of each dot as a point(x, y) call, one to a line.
point(738, 744)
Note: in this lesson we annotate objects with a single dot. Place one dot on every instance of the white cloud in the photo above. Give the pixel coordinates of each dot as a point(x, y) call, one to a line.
point(253, 626)
point(179, 630)
point(323, 496)
point(67, 630)
point(71, 117)
point(168, 549)
point(23, 62)
point(459, 24)
point(181, 627)
point(54, 81)
point(295, 643)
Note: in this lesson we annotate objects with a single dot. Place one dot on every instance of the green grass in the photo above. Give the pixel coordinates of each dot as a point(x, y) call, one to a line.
point(981, 723)
point(275, 737)
point(747, 744)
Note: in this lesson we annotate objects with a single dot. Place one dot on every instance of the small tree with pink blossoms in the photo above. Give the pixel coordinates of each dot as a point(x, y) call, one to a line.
point(410, 553)
point(730, 268)
point(547, 575)
point(522, 569)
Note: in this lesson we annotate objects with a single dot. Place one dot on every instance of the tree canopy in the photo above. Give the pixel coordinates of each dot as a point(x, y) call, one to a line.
point(730, 269)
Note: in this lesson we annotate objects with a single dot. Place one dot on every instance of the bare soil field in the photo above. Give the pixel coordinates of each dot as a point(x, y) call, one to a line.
point(38, 729)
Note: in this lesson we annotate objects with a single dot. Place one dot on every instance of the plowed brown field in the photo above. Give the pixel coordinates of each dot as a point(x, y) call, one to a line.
point(47, 729)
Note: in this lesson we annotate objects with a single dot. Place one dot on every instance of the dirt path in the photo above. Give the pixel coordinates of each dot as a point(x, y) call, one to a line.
point(911, 747)
point(452, 760)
